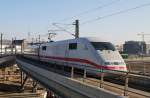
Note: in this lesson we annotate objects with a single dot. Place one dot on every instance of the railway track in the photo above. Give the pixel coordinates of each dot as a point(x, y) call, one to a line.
point(139, 66)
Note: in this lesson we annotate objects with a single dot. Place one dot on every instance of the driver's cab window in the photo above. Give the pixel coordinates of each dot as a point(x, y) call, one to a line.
point(72, 46)
point(44, 48)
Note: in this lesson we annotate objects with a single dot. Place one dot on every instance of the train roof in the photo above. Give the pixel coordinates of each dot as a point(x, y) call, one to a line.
point(90, 39)
point(94, 39)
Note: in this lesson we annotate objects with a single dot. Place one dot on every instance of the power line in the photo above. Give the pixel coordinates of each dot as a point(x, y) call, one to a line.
point(92, 10)
point(66, 26)
point(62, 29)
point(82, 13)
point(62, 24)
point(116, 13)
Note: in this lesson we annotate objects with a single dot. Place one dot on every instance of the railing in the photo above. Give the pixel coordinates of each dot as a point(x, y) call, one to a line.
point(101, 79)
point(105, 73)
point(139, 67)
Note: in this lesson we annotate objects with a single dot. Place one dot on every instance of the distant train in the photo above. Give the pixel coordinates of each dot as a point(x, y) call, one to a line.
point(90, 53)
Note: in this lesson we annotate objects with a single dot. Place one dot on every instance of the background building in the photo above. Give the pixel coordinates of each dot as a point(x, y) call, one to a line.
point(134, 47)
point(9, 47)
point(19, 45)
point(5, 45)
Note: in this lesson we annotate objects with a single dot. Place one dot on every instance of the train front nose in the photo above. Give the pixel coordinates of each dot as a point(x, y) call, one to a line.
point(115, 65)
point(113, 60)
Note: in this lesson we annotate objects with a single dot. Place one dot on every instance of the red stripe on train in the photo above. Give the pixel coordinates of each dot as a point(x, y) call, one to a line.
point(84, 61)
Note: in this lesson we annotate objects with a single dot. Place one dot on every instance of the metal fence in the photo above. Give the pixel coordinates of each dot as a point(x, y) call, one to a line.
point(125, 76)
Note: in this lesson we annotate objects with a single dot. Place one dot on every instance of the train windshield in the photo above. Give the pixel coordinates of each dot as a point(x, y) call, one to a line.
point(103, 46)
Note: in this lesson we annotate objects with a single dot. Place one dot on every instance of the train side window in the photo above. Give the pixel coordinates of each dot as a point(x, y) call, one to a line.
point(44, 48)
point(72, 46)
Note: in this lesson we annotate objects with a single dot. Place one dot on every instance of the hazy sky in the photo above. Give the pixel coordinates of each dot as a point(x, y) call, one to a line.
point(18, 17)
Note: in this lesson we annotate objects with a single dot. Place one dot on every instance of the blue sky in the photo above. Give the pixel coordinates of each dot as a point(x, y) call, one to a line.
point(18, 17)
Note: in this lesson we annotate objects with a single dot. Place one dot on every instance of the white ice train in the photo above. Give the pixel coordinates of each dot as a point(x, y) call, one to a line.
point(90, 53)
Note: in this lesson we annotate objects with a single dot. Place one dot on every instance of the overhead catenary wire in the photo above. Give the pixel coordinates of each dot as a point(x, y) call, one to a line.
point(80, 14)
point(91, 10)
point(116, 13)
point(63, 29)
point(61, 24)
point(102, 17)
point(64, 26)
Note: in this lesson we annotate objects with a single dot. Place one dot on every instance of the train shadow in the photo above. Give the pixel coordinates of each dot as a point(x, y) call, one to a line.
point(9, 88)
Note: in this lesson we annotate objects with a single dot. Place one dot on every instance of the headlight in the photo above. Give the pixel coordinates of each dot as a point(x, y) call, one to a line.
point(114, 63)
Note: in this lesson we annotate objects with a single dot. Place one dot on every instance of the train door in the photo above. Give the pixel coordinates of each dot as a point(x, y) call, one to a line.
point(73, 51)
point(66, 46)
point(66, 50)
